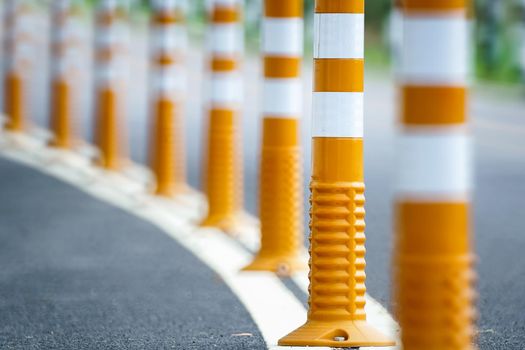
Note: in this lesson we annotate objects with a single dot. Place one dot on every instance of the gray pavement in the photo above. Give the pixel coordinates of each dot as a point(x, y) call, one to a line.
point(77, 273)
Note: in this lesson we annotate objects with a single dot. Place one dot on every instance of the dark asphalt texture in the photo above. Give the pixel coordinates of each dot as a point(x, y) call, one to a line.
point(77, 273)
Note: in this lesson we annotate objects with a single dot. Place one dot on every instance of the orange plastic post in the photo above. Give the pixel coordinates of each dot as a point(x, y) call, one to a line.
point(223, 182)
point(16, 48)
point(280, 179)
point(433, 259)
point(167, 143)
point(60, 115)
point(62, 47)
point(14, 101)
point(336, 314)
point(108, 130)
point(108, 89)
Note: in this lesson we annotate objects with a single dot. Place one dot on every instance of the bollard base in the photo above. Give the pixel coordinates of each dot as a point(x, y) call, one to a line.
point(337, 334)
point(230, 224)
point(172, 190)
point(282, 265)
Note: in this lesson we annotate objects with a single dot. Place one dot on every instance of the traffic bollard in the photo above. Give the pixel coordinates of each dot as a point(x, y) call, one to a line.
point(336, 314)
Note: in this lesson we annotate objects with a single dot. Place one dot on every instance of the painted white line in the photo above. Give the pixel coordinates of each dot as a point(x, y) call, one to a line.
point(274, 309)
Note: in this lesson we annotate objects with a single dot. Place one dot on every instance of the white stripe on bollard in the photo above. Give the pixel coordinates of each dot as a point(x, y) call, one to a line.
point(435, 50)
point(338, 114)
point(339, 35)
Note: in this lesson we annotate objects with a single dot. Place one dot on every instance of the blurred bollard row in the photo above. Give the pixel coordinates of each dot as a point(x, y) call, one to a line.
point(432, 258)
point(111, 45)
point(223, 170)
point(18, 57)
point(65, 39)
point(168, 89)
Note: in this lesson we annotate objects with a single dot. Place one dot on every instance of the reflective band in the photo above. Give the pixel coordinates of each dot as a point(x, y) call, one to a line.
point(435, 49)
point(282, 97)
point(339, 6)
point(169, 37)
point(339, 35)
point(339, 75)
point(223, 64)
point(225, 39)
point(225, 15)
point(433, 105)
point(282, 36)
point(282, 67)
point(225, 89)
point(169, 81)
point(434, 5)
point(337, 114)
point(434, 163)
point(280, 8)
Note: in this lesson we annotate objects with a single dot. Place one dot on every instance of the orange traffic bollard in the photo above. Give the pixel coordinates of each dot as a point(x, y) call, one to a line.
point(336, 314)
point(169, 39)
point(281, 181)
point(63, 42)
point(110, 48)
point(433, 259)
point(18, 55)
point(223, 182)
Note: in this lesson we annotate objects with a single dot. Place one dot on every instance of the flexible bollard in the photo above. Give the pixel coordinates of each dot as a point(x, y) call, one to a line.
point(169, 40)
point(280, 178)
point(433, 259)
point(336, 313)
point(64, 39)
point(110, 48)
point(223, 181)
point(17, 53)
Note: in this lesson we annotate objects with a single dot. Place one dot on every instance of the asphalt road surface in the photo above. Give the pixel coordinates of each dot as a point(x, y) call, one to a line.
point(78, 273)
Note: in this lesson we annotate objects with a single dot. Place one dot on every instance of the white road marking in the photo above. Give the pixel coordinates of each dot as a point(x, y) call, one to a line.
point(274, 309)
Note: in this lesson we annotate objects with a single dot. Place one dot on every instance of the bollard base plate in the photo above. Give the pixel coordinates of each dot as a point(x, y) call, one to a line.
point(229, 224)
point(336, 334)
point(282, 265)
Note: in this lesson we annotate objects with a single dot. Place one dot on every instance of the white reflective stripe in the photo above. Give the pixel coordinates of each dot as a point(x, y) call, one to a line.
point(282, 97)
point(282, 36)
point(169, 80)
point(225, 39)
point(225, 89)
point(435, 49)
point(337, 114)
point(339, 35)
point(170, 37)
point(434, 162)
point(105, 74)
point(107, 36)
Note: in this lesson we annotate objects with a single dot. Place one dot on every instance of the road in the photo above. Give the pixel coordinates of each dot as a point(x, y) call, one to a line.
point(41, 216)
